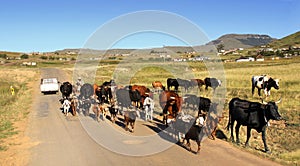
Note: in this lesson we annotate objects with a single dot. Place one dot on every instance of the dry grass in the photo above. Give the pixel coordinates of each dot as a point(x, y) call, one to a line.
point(13, 108)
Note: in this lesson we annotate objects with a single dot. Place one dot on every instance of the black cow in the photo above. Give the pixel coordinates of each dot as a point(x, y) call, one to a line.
point(184, 83)
point(104, 94)
point(113, 110)
point(135, 97)
point(126, 96)
point(204, 105)
point(254, 115)
point(109, 83)
point(66, 89)
point(84, 99)
point(264, 82)
point(84, 106)
point(212, 82)
point(171, 82)
point(86, 91)
point(191, 100)
point(123, 99)
point(190, 127)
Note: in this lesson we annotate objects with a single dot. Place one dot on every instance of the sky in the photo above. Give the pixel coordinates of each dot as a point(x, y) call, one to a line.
point(49, 25)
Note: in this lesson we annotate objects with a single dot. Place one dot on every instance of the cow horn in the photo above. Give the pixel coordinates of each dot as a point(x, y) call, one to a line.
point(278, 101)
point(262, 100)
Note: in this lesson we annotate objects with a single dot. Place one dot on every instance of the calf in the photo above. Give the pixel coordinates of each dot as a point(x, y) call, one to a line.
point(149, 107)
point(74, 104)
point(194, 133)
point(113, 110)
point(96, 110)
point(129, 119)
point(66, 106)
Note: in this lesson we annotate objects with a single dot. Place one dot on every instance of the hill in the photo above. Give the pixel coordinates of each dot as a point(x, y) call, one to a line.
point(231, 41)
point(290, 40)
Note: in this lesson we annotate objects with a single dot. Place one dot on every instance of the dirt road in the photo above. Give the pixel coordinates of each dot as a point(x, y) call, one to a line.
point(62, 140)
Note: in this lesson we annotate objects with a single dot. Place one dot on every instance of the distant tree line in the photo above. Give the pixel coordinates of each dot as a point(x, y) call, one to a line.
point(280, 53)
point(43, 57)
point(4, 56)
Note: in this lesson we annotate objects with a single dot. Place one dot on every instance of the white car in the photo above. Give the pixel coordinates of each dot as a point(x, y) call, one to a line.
point(49, 85)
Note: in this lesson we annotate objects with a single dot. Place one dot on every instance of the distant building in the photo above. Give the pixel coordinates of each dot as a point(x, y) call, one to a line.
point(245, 59)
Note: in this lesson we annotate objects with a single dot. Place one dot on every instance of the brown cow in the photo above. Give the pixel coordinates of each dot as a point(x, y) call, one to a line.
point(171, 104)
point(157, 85)
point(144, 92)
point(129, 118)
point(170, 111)
point(167, 95)
point(197, 82)
point(74, 103)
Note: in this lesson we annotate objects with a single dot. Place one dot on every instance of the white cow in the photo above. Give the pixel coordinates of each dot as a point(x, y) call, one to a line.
point(149, 107)
point(66, 106)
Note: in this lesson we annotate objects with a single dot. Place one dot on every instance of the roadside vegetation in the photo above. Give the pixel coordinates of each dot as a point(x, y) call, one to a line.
point(13, 108)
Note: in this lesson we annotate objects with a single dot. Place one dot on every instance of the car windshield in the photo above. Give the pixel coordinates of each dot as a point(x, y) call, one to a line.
point(49, 81)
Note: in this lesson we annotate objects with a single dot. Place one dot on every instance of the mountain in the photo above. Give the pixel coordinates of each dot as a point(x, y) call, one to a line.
point(290, 40)
point(231, 41)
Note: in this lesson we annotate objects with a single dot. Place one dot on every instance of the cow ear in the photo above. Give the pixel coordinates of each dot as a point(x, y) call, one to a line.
point(278, 101)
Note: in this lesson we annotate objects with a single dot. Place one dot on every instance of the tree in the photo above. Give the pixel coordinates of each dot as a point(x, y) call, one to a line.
point(4, 56)
point(24, 56)
point(220, 47)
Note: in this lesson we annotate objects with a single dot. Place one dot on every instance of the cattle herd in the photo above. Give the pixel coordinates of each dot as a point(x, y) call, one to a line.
point(133, 101)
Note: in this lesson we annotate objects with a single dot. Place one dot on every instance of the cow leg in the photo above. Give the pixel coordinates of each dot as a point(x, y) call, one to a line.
point(258, 90)
point(146, 112)
point(126, 126)
point(263, 135)
point(213, 134)
point(248, 136)
point(198, 150)
point(237, 128)
point(151, 114)
point(253, 87)
point(231, 128)
point(68, 109)
point(165, 120)
point(132, 126)
point(188, 144)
